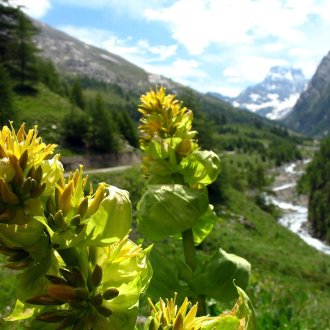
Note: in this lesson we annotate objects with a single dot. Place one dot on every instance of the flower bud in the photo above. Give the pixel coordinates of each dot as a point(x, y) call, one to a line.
point(61, 292)
point(104, 311)
point(24, 159)
point(50, 317)
point(7, 194)
point(96, 277)
point(110, 294)
point(97, 300)
point(65, 199)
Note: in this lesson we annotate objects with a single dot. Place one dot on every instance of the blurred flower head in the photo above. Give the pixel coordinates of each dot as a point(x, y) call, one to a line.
point(26, 174)
point(167, 315)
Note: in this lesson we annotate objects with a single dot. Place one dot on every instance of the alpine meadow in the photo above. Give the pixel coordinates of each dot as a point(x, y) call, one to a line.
point(129, 201)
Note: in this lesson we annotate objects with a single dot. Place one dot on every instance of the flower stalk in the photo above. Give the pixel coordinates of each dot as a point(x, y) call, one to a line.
point(189, 248)
point(78, 268)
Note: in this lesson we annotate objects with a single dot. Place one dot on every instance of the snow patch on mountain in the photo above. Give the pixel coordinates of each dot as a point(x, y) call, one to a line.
point(275, 96)
point(273, 106)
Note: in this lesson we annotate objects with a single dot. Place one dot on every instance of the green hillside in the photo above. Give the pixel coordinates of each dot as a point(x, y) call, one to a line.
point(290, 284)
point(45, 109)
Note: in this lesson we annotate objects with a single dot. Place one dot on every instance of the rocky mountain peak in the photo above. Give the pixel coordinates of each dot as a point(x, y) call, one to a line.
point(275, 96)
point(311, 114)
point(74, 57)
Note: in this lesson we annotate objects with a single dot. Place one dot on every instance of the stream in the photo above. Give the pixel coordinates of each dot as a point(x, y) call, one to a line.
point(294, 207)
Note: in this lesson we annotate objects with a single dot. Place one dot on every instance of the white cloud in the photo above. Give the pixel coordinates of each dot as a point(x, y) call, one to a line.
point(34, 8)
point(139, 52)
point(225, 90)
point(182, 69)
point(251, 36)
point(186, 72)
point(142, 53)
point(299, 52)
point(254, 69)
point(161, 52)
point(196, 24)
point(220, 45)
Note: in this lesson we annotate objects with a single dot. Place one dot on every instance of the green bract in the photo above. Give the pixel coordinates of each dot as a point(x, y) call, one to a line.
point(200, 168)
point(177, 207)
point(110, 222)
point(204, 225)
point(214, 278)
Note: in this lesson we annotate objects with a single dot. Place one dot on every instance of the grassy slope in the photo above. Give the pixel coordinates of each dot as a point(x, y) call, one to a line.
point(290, 286)
point(46, 109)
point(290, 282)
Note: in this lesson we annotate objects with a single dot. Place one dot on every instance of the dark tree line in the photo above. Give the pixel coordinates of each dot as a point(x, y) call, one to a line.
point(18, 57)
point(90, 123)
point(21, 67)
point(18, 53)
point(93, 125)
point(316, 182)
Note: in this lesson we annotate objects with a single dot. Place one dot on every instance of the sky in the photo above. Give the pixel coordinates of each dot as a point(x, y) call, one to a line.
point(210, 45)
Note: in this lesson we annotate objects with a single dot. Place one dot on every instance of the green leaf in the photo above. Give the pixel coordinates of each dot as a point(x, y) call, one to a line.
point(166, 210)
point(125, 267)
point(163, 164)
point(20, 312)
point(204, 225)
point(123, 262)
point(200, 167)
point(223, 322)
point(118, 219)
point(245, 310)
point(159, 148)
point(215, 277)
point(33, 281)
point(166, 277)
point(240, 317)
point(110, 223)
point(30, 283)
point(21, 236)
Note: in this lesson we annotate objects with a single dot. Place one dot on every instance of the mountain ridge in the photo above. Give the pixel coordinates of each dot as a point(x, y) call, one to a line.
point(72, 56)
point(311, 113)
point(273, 97)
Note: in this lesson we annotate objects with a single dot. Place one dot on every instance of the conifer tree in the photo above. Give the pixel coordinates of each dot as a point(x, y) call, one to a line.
point(6, 97)
point(317, 179)
point(24, 61)
point(76, 94)
point(127, 128)
point(8, 22)
point(48, 75)
point(103, 130)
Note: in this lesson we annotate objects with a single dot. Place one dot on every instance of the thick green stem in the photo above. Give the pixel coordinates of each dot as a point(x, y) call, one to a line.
point(73, 258)
point(189, 248)
point(201, 305)
point(190, 257)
